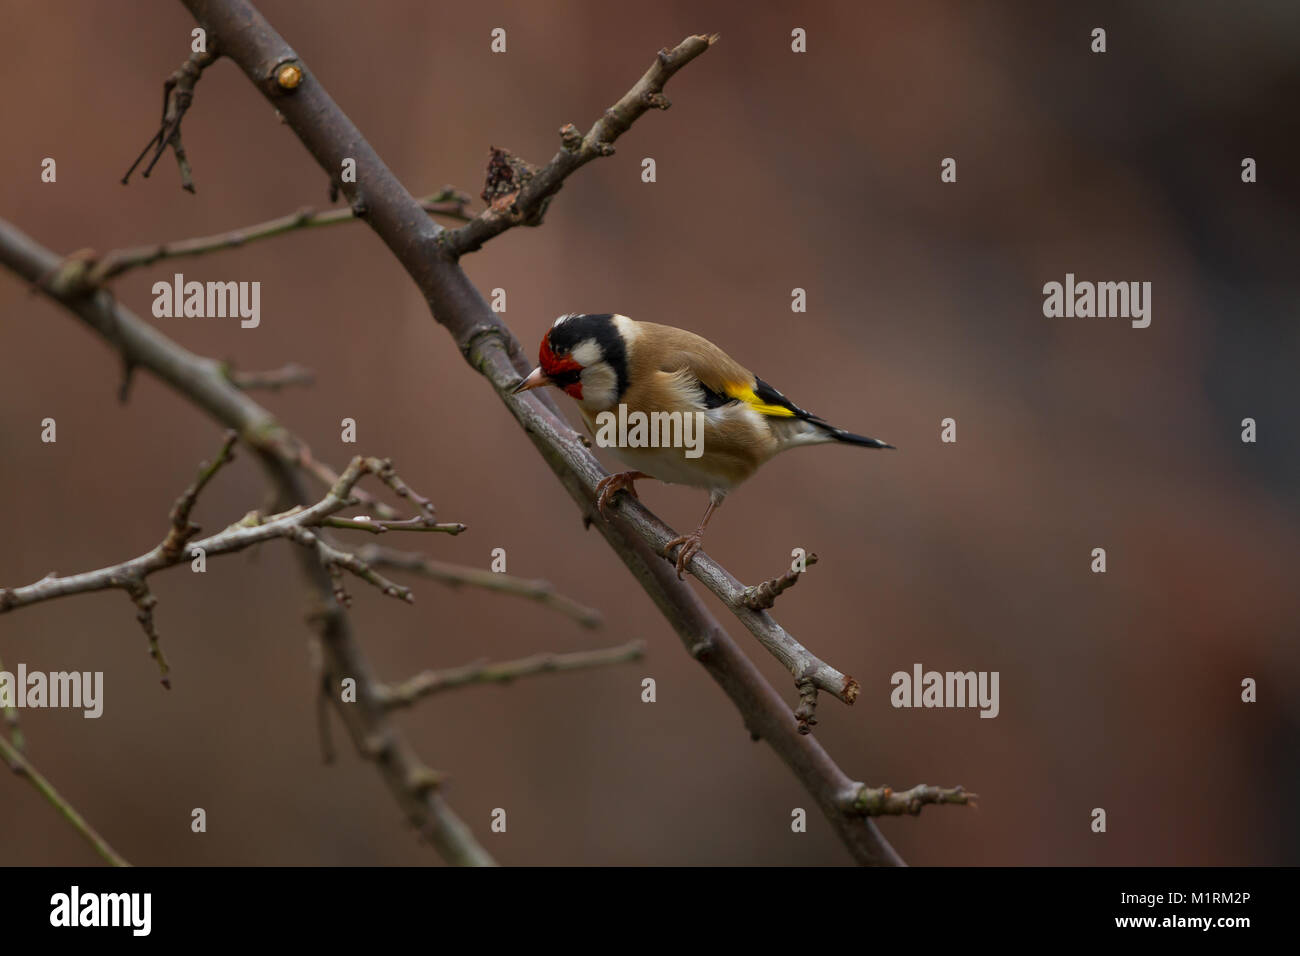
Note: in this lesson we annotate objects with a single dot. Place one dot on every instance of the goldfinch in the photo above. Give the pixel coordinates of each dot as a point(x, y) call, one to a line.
point(623, 371)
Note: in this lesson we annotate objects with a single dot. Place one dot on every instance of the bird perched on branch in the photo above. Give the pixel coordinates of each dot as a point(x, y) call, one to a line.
point(638, 382)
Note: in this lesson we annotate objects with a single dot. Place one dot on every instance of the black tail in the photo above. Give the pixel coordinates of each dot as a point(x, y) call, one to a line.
point(851, 439)
point(770, 395)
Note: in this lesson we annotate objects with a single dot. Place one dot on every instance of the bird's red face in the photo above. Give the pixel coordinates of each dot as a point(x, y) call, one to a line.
point(556, 366)
point(562, 369)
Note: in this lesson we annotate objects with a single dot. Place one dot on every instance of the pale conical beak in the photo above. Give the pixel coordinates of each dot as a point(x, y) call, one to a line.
point(536, 379)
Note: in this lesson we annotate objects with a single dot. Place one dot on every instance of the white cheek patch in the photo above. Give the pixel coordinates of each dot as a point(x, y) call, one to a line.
point(599, 386)
point(586, 353)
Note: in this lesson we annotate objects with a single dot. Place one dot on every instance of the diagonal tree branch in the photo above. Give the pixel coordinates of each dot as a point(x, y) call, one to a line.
point(810, 672)
point(249, 41)
point(484, 339)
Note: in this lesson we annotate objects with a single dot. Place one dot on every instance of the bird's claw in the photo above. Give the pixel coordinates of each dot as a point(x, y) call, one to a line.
point(611, 485)
point(690, 543)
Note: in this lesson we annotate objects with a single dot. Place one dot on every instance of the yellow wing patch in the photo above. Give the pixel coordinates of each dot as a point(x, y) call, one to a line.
point(747, 395)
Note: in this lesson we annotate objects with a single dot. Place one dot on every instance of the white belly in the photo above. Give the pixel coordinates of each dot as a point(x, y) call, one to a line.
point(670, 465)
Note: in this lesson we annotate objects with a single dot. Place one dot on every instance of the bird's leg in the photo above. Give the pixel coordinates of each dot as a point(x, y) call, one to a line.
point(691, 542)
point(610, 485)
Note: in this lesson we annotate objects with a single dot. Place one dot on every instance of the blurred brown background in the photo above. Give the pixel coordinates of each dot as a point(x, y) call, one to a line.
point(775, 170)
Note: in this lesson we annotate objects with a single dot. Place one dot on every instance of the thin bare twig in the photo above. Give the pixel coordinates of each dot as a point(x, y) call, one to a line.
point(337, 561)
point(178, 94)
point(145, 602)
point(326, 476)
point(457, 575)
point(484, 672)
point(183, 529)
point(525, 204)
point(379, 525)
point(760, 597)
point(275, 379)
point(21, 766)
point(882, 801)
point(293, 524)
point(448, 202)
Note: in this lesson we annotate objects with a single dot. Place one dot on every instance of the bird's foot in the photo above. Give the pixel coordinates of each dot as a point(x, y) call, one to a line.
point(690, 543)
point(611, 485)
